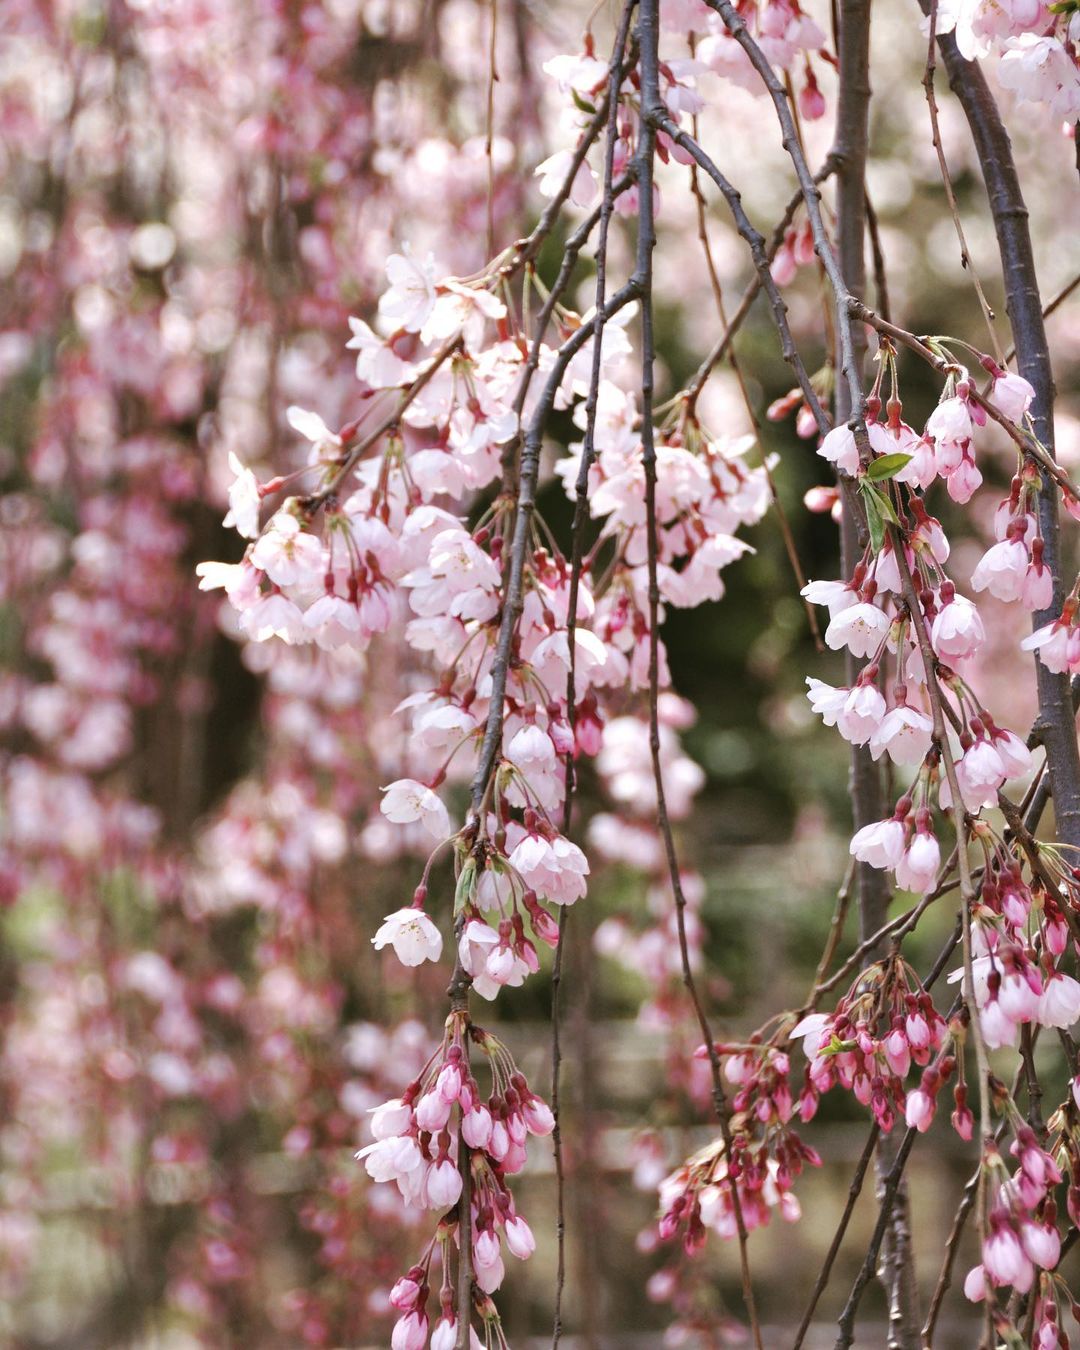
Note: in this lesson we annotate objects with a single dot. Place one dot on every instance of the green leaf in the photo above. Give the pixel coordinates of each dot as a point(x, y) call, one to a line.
point(466, 885)
point(888, 466)
point(875, 521)
point(581, 104)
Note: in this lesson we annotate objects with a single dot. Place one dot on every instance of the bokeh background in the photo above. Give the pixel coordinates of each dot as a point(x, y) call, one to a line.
point(194, 197)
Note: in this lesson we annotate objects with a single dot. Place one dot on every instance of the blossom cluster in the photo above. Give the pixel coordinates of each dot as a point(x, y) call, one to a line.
point(420, 1142)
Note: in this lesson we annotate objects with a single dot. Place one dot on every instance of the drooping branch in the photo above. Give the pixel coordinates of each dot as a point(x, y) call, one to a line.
point(1057, 723)
point(720, 348)
point(811, 193)
point(662, 122)
point(581, 511)
point(654, 114)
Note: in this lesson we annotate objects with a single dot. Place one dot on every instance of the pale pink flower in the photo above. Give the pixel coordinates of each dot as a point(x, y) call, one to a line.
point(950, 422)
point(964, 481)
point(881, 844)
point(390, 1119)
point(918, 869)
point(957, 631)
point(1059, 1004)
point(325, 444)
point(406, 801)
point(412, 935)
point(812, 1030)
point(244, 500)
point(919, 1110)
point(442, 1184)
point(240, 581)
point(555, 869)
point(1053, 644)
point(836, 595)
point(1041, 1244)
point(288, 554)
point(519, 1238)
point(975, 1284)
point(274, 616)
point(862, 628)
point(432, 1111)
point(377, 364)
point(1004, 1259)
point(410, 1332)
point(1012, 394)
point(476, 1126)
point(553, 172)
point(905, 734)
point(411, 295)
point(392, 1158)
point(1002, 569)
point(839, 448)
point(981, 772)
point(1040, 69)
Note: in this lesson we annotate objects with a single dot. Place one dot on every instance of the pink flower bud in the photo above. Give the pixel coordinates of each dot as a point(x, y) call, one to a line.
point(410, 1332)
point(476, 1126)
point(519, 1238)
point(919, 1111)
point(432, 1112)
point(538, 1116)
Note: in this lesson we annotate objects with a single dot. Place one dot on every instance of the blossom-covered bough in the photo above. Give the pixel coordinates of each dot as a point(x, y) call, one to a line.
point(526, 645)
point(423, 626)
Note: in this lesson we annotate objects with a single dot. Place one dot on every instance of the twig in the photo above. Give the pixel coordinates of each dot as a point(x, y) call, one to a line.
point(653, 114)
point(314, 500)
point(1009, 211)
point(736, 26)
point(742, 309)
point(736, 366)
point(577, 552)
point(946, 179)
point(1050, 307)
point(854, 1190)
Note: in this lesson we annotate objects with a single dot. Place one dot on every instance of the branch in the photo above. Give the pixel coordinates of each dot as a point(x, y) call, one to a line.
point(736, 26)
point(742, 309)
point(661, 121)
point(654, 115)
point(1007, 206)
point(581, 510)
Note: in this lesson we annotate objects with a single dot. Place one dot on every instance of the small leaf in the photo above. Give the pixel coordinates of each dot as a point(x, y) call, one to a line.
point(888, 466)
point(875, 516)
point(885, 503)
point(466, 885)
point(581, 104)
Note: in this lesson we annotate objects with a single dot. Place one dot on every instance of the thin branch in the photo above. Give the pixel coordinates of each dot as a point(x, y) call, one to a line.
point(1049, 308)
point(781, 515)
point(742, 309)
point(661, 121)
point(314, 500)
point(736, 26)
point(607, 206)
point(1009, 211)
point(854, 1190)
point(946, 179)
point(653, 114)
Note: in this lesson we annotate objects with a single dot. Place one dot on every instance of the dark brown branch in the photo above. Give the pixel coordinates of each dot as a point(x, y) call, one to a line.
point(854, 1191)
point(654, 114)
point(736, 26)
point(1057, 724)
point(581, 511)
point(753, 289)
point(661, 121)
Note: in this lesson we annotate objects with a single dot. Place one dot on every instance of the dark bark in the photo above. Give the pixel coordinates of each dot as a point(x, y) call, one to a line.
point(1056, 724)
point(897, 1269)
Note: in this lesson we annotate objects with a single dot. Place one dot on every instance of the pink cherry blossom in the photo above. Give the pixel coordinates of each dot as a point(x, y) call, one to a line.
point(412, 935)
